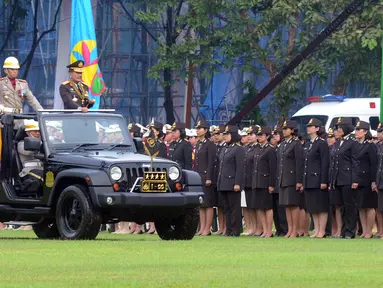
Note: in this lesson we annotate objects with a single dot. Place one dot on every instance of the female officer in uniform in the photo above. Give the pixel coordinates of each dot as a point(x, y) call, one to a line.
point(290, 177)
point(345, 177)
point(180, 150)
point(264, 179)
point(366, 196)
point(315, 179)
point(231, 180)
point(205, 152)
point(379, 180)
point(249, 163)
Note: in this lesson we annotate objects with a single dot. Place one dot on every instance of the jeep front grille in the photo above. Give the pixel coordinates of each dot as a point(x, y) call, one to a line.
point(133, 173)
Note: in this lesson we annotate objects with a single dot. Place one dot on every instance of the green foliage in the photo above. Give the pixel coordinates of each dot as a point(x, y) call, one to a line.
point(254, 115)
point(232, 30)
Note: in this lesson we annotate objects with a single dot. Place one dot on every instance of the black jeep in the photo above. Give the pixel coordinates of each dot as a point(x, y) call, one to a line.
point(92, 174)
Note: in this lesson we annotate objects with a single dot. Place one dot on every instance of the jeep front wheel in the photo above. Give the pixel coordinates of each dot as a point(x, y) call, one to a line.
point(46, 229)
point(181, 228)
point(75, 216)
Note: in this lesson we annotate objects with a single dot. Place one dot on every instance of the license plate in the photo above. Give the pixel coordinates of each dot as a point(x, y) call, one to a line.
point(154, 182)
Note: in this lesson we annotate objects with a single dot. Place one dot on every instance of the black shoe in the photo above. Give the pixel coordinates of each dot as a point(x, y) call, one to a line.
point(235, 235)
point(227, 234)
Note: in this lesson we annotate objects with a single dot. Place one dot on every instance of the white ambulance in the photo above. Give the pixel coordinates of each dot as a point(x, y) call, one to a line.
point(329, 108)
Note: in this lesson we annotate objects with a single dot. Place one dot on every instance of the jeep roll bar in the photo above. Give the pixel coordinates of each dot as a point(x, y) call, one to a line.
point(75, 111)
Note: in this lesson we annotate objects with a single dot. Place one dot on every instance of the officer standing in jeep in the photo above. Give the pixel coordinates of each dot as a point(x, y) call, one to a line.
point(74, 92)
point(13, 91)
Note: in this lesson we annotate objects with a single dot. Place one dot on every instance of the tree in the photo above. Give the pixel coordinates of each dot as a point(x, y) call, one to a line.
point(230, 32)
point(16, 16)
point(255, 115)
point(36, 37)
point(166, 15)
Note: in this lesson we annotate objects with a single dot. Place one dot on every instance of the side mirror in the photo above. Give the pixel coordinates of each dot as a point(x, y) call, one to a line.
point(32, 144)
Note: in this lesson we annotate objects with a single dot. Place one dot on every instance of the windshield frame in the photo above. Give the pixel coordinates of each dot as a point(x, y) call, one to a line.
point(50, 148)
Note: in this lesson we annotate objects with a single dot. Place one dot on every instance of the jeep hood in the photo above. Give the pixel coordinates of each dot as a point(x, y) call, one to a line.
point(95, 158)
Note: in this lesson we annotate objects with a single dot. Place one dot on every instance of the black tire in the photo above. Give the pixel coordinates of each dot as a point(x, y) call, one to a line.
point(182, 228)
point(47, 229)
point(75, 216)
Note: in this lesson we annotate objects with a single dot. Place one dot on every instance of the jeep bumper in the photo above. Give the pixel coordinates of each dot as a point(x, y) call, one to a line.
point(131, 200)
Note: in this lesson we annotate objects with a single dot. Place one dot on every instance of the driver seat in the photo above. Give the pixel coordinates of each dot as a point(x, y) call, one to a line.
point(17, 166)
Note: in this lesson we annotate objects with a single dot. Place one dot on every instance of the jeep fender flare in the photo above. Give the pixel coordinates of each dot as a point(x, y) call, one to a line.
point(90, 176)
point(192, 181)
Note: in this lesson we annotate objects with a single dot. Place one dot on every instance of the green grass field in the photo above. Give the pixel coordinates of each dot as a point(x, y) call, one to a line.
point(147, 261)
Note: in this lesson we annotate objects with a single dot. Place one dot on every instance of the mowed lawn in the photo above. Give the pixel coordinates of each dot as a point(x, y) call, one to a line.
point(147, 261)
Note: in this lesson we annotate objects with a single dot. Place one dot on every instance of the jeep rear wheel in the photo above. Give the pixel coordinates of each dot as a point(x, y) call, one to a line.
point(182, 228)
point(75, 216)
point(47, 229)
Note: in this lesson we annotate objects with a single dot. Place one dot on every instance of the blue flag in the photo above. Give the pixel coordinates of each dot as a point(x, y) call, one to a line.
point(83, 47)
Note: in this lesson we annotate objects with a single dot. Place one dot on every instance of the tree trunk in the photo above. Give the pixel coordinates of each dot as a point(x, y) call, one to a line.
point(168, 104)
point(35, 37)
point(11, 26)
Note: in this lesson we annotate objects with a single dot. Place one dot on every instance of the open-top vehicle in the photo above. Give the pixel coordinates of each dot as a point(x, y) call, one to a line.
point(90, 179)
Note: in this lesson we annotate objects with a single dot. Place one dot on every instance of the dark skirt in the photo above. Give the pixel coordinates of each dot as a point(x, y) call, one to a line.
point(380, 201)
point(366, 198)
point(210, 196)
point(289, 196)
point(302, 201)
point(250, 198)
point(317, 200)
point(263, 200)
point(336, 198)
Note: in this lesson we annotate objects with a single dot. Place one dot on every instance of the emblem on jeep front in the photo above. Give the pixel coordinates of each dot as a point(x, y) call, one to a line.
point(145, 165)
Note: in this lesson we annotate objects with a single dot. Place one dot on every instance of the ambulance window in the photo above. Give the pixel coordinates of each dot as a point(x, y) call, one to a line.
point(335, 120)
point(374, 122)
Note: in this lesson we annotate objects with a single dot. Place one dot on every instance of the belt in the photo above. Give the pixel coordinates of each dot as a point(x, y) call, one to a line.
point(31, 164)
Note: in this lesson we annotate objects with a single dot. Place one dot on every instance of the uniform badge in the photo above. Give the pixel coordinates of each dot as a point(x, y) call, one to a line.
point(358, 124)
point(130, 126)
point(311, 121)
point(227, 129)
point(339, 120)
point(174, 125)
point(379, 125)
point(49, 179)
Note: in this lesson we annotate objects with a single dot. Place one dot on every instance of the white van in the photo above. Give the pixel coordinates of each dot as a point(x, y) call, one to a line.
point(329, 108)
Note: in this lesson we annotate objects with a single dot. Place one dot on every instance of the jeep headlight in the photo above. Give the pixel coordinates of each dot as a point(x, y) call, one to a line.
point(174, 173)
point(115, 173)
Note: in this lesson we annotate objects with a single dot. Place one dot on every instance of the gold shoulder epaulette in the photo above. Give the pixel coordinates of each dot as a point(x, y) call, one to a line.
point(65, 82)
point(22, 80)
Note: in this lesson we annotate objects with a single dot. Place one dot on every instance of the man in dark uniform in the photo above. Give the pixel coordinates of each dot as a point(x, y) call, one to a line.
point(180, 150)
point(220, 144)
point(279, 213)
point(231, 179)
point(74, 92)
point(153, 142)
